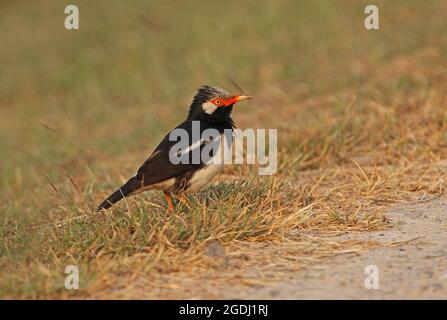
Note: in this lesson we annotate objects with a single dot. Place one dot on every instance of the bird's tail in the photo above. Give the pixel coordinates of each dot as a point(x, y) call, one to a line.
point(126, 190)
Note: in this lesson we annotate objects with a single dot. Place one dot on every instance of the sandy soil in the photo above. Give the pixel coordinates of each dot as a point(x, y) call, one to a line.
point(416, 269)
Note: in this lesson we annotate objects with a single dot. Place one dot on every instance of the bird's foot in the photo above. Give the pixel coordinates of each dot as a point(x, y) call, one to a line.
point(169, 202)
point(184, 200)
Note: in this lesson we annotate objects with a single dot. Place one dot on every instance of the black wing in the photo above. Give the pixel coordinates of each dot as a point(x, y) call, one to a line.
point(158, 167)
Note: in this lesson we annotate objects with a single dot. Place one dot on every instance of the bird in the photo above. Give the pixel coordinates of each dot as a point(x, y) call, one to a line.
point(210, 110)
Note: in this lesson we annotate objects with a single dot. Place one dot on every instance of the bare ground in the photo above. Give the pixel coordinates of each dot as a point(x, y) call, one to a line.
point(416, 268)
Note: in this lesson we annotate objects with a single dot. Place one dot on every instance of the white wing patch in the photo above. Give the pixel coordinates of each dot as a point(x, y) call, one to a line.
point(195, 145)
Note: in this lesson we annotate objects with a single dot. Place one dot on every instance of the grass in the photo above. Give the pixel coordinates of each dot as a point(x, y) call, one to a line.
point(361, 126)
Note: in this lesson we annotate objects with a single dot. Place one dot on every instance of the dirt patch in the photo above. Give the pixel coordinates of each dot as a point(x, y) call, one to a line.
point(415, 268)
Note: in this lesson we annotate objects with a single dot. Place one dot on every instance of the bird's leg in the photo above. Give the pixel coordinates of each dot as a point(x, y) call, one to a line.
point(183, 199)
point(169, 201)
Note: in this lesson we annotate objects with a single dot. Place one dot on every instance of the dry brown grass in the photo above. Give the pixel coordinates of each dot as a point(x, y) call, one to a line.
point(361, 124)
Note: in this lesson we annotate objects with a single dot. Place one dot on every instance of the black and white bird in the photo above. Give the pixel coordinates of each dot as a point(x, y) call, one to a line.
point(177, 170)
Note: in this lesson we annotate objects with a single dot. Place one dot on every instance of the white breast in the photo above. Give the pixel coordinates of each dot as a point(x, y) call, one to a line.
point(209, 171)
point(203, 176)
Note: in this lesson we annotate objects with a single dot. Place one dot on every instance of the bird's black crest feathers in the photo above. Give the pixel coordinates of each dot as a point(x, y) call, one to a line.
point(204, 94)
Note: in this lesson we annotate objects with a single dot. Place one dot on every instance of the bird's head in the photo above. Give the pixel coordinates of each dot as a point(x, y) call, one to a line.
point(214, 103)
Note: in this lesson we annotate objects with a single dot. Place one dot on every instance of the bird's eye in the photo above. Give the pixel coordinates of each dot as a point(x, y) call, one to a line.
point(217, 102)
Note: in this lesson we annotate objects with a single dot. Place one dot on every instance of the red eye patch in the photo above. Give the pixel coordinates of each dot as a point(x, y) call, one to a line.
point(224, 102)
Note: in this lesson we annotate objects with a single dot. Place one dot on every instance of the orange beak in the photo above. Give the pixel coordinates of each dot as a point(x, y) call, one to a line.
point(235, 99)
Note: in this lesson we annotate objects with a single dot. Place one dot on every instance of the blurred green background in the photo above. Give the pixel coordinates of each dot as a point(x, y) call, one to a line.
point(82, 102)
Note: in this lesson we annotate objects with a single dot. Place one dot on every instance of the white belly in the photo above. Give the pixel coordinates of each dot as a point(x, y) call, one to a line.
point(203, 176)
point(207, 173)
